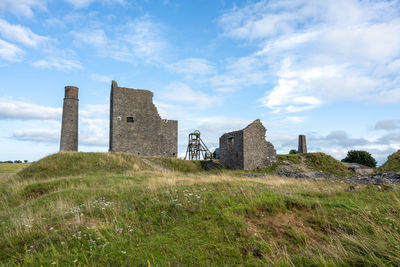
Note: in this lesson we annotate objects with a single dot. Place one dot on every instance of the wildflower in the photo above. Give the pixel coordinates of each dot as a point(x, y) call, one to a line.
point(28, 225)
point(75, 261)
point(51, 228)
point(53, 263)
point(123, 252)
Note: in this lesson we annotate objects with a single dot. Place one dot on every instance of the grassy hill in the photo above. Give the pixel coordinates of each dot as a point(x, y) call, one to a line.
point(392, 164)
point(310, 162)
point(86, 214)
point(72, 163)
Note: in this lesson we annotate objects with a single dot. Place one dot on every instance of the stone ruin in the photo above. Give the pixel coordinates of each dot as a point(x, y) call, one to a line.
point(137, 128)
point(246, 149)
point(135, 125)
point(69, 124)
point(302, 144)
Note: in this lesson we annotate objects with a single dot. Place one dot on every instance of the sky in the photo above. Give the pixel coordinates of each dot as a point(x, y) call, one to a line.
point(327, 69)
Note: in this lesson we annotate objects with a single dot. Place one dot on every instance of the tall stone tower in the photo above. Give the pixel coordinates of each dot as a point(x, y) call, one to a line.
point(302, 144)
point(69, 127)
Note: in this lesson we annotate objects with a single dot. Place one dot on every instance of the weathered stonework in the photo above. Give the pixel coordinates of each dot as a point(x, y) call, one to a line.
point(137, 128)
point(69, 125)
point(302, 144)
point(246, 149)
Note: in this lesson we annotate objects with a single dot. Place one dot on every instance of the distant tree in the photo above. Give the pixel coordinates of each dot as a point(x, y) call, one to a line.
point(17, 161)
point(8, 161)
point(293, 151)
point(360, 157)
point(25, 161)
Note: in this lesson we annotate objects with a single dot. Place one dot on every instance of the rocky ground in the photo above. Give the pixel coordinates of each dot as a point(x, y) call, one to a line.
point(287, 169)
point(375, 179)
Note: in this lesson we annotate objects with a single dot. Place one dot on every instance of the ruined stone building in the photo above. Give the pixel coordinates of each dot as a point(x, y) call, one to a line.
point(246, 149)
point(136, 127)
point(69, 124)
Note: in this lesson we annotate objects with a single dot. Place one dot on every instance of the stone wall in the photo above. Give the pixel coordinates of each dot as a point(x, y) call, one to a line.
point(247, 149)
point(69, 125)
point(258, 152)
point(231, 150)
point(136, 126)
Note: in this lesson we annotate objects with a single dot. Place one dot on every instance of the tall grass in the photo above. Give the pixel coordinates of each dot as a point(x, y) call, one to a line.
point(141, 217)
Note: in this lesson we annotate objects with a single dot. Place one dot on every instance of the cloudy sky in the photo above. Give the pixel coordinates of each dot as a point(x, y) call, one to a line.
point(327, 69)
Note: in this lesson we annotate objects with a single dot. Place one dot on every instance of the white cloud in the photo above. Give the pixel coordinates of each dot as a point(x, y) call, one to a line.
point(390, 138)
point(349, 53)
point(10, 52)
point(94, 132)
point(21, 34)
point(93, 122)
point(94, 110)
point(140, 40)
point(182, 93)
point(387, 125)
point(22, 7)
point(265, 19)
point(193, 66)
point(86, 3)
point(95, 37)
point(37, 135)
point(293, 119)
point(14, 109)
point(64, 62)
point(101, 78)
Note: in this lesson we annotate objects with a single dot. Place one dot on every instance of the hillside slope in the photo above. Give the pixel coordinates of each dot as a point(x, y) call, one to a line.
point(308, 165)
point(74, 163)
point(392, 164)
point(142, 217)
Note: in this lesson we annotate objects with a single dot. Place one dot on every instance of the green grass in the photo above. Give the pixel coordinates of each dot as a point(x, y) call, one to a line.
point(70, 163)
point(392, 164)
point(142, 217)
point(325, 163)
point(178, 165)
point(7, 168)
point(312, 162)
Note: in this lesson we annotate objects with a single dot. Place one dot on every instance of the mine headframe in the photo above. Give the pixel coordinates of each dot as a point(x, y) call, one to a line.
point(196, 149)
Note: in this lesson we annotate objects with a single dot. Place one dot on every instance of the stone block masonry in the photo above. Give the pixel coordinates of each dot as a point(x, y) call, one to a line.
point(302, 144)
point(69, 125)
point(246, 149)
point(137, 128)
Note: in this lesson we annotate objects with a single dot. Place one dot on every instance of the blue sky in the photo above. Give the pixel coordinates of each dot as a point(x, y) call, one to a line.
point(326, 69)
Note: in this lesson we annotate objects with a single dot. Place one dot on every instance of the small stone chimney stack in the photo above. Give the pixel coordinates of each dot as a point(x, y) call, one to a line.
point(302, 144)
point(69, 126)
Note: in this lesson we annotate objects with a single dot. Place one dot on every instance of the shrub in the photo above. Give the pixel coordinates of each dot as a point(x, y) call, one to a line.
point(293, 151)
point(360, 157)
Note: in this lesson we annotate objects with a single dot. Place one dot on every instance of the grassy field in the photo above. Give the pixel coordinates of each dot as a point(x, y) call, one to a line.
point(113, 210)
point(9, 168)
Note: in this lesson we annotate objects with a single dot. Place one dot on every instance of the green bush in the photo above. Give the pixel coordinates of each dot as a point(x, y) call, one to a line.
point(360, 157)
point(293, 151)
